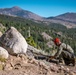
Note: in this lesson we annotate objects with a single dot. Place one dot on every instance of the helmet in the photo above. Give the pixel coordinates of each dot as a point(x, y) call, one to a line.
point(56, 40)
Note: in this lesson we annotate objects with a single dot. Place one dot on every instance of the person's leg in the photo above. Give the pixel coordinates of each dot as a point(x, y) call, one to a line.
point(60, 58)
point(73, 60)
point(68, 58)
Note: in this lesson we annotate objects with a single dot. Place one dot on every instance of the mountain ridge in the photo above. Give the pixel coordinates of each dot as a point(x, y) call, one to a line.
point(17, 11)
point(67, 19)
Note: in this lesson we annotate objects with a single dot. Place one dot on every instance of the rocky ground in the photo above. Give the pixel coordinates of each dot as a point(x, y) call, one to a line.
point(21, 64)
point(24, 65)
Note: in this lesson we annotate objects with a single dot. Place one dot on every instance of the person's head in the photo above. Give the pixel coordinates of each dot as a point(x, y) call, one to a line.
point(57, 41)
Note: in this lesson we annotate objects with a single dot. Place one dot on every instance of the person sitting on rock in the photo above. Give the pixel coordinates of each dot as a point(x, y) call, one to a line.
point(64, 52)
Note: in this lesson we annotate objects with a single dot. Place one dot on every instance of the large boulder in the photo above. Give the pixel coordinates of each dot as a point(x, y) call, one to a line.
point(13, 41)
point(3, 53)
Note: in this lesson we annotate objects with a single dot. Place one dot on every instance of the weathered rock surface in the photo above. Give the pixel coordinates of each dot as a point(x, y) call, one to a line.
point(46, 36)
point(3, 53)
point(31, 51)
point(13, 41)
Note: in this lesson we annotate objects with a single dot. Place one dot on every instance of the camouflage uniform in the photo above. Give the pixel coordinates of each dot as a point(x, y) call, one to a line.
point(67, 53)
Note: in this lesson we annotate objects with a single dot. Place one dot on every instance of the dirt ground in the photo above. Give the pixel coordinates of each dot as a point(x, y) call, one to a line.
point(23, 65)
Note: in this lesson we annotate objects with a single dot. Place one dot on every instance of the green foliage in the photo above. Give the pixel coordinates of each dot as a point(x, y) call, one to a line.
point(31, 42)
point(37, 28)
point(2, 29)
point(2, 59)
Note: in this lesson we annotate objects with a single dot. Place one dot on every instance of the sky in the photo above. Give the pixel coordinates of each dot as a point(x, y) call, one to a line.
point(44, 8)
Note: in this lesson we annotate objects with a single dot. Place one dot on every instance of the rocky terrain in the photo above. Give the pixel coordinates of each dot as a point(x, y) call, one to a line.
point(24, 65)
point(18, 59)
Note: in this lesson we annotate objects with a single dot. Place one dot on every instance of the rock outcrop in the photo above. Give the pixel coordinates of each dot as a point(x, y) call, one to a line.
point(13, 41)
point(31, 51)
point(46, 36)
point(3, 53)
point(23, 64)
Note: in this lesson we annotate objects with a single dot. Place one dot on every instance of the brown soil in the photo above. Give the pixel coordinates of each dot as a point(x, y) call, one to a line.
point(23, 65)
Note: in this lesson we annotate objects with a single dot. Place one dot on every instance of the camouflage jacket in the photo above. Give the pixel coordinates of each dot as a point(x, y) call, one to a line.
point(63, 47)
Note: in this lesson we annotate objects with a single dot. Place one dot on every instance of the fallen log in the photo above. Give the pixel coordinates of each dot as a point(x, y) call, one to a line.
point(40, 55)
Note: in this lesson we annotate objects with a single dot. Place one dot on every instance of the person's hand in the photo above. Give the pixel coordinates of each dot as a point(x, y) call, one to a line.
point(52, 57)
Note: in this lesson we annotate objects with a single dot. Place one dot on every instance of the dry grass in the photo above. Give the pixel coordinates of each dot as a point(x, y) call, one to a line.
point(2, 59)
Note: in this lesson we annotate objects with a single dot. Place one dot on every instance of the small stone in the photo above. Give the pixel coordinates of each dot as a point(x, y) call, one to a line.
point(25, 74)
point(54, 68)
point(3, 54)
point(62, 67)
point(8, 67)
point(72, 73)
point(67, 69)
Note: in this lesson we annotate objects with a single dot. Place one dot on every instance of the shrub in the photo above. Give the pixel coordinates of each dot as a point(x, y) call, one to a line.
point(30, 41)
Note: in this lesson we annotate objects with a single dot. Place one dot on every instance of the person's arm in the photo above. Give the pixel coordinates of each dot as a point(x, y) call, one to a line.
point(58, 52)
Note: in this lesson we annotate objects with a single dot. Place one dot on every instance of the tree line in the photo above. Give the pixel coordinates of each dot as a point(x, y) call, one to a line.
point(36, 28)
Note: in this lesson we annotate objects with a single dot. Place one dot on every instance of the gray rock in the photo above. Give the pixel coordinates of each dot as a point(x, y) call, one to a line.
point(3, 53)
point(46, 36)
point(31, 51)
point(8, 67)
point(13, 41)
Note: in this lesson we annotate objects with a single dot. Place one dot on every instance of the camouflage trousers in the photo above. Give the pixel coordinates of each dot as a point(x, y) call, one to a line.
point(67, 57)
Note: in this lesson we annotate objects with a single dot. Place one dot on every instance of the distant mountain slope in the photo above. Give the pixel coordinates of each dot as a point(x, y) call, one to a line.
point(67, 19)
point(17, 11)
point(68, 16)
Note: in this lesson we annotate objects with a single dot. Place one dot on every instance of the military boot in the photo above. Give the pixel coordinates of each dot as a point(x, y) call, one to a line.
point(73, 61)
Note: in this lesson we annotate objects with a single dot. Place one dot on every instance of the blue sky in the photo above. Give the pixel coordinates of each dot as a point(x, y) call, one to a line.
point(45, 8)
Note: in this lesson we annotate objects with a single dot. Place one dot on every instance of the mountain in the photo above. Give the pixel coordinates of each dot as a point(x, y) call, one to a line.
point(67, 19)
point(17, 11)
